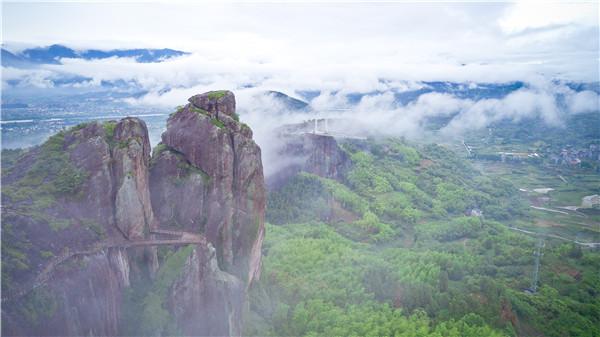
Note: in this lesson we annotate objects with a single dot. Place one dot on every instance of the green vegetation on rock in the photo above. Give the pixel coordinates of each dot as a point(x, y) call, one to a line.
point(109, 129)
point(217, 123)
point(38, 306)
point(199, 111)
point(51, 177)
point(54, 168)
point(14, 255)
point(144, 302)
point(179, 109)
point(188, 169)
point(217, 94)
point(158, 149)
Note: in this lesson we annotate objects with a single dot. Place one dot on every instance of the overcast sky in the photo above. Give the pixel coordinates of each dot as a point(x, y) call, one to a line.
point(487, 41)
point(348, 46)
point(338, 48)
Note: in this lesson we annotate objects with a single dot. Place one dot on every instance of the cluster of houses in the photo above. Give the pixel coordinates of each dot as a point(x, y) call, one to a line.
point(569, 155)
point(517, 156)
point(574, 157)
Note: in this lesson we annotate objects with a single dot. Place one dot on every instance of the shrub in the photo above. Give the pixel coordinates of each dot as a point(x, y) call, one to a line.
point(217, 94)
point(217, 123)
point(109, 129)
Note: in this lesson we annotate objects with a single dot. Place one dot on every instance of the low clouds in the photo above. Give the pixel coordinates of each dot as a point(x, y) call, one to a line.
point(585, 101)
point(337, 49)
point(326, 46)
point(551, 103)
point(170, 83)
point(530, 15)
point(382, 115)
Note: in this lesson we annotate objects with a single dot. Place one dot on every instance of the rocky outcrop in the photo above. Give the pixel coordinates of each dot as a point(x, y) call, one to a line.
point(73, 207)
point(85, 304)
point(206, 301)
point(83, 297)
point(323, 156)
point(178, 190)
point(313, 153)
point(215, 102)
point(206, 177)
point(131, 156)
point(90, 151)
point(94, 189)
point(205, 137)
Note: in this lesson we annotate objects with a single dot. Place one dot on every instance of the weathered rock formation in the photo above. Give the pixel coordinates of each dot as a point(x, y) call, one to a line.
point(312, 153)
point(205, 299)
point(82, 219)
point(81, 187)
point(133, 211)
point(218, 164)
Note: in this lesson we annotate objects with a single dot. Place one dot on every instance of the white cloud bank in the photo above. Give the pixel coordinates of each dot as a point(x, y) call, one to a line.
point(551, 103)
point(337, 48)
point(315, 45)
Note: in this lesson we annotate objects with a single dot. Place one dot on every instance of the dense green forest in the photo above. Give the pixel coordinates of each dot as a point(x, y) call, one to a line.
point(414, 241)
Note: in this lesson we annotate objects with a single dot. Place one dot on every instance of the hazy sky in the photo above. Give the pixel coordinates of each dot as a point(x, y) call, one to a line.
point(337, 47)
point(409, 40)
point(348, 46)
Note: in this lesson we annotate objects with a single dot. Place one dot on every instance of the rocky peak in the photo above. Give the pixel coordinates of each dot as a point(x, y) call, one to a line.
point(313, 153)
point(131, 128)
point(81, 201)
point(131, 156)
point(215, 102)
point(211, 140)
point(98, 196)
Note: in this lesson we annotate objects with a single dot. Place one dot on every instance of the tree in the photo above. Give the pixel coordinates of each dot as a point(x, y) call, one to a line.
point(443, 284)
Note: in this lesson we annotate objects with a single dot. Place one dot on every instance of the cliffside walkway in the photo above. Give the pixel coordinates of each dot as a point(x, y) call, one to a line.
point(179, 238)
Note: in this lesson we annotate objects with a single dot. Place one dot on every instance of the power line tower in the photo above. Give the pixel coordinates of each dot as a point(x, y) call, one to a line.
point(536, 268)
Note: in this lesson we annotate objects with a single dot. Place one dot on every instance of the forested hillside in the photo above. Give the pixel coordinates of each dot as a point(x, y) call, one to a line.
point(413, 241)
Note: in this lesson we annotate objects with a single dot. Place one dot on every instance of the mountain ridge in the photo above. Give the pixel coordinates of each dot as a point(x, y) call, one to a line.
point(54, 53)
point(87, 246)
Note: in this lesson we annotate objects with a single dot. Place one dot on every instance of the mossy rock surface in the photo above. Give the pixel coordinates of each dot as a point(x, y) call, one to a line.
point(217, 94)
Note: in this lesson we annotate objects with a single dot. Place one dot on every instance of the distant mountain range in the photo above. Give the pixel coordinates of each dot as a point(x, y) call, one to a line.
point(473, 91)
point(288, 102)
point(54, 53)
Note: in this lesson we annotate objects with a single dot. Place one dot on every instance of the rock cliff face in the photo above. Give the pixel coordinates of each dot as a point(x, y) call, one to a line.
point(205, 299)
point(133, 211)
point(85, 213)
point(312, 153)
point(178, 190)
point(324, 157)
point(87, 296)
point(219, 165)
point(82, 187)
